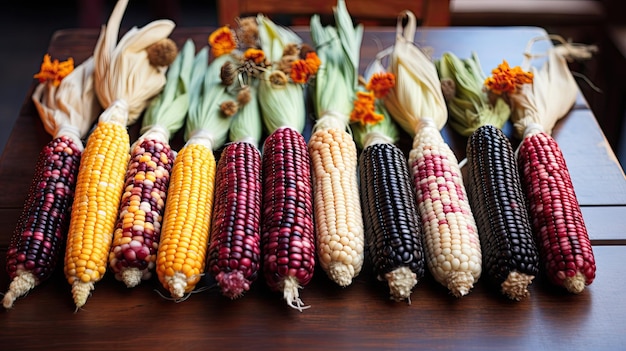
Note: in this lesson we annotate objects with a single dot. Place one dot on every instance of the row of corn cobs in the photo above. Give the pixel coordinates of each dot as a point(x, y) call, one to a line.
point(262, 217)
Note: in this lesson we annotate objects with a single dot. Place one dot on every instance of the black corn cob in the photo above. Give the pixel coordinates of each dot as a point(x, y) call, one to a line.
point(510, 255)
point(392, 228)
point(234, 256)
point(40, 233)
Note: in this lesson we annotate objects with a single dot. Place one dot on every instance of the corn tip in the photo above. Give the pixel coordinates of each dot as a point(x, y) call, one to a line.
point(80, 292)
point(341, 273)
point(177, 285)
point(291, 294)
point(575, 284)
point(20, 286)
point(401, 282)
point(131, 276)
point(233, 284)
point(460, 283)
point(516, 285)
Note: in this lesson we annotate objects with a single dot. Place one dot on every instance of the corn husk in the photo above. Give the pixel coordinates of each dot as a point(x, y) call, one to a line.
point(336, 81)
point(206, 123)
point(385, 131)
point(124, 79)
point(166, 113)
point(70, 108)
point(468, 102)
point(538, 106)
point(281, 106)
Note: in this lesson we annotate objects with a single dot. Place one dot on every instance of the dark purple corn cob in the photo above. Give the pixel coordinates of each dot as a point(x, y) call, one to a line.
point(557, 220)
point(40, 232)
point(138, 229)
point(392, 228)
point(235, 249)
point(287, 231)
point(510, 256)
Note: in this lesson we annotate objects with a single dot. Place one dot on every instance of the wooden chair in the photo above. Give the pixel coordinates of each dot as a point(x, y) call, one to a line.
point(369, 12)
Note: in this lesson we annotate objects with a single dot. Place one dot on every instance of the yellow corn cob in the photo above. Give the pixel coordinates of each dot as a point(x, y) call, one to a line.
point(339, 225)
point(185, 234)
point(94, 211)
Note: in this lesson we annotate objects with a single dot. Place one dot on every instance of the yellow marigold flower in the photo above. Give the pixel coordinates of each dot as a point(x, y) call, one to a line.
point(222, 41)
point(364, 110)
point(54, 71)
point(505, 80)
point(381, 83)
point(255, 55)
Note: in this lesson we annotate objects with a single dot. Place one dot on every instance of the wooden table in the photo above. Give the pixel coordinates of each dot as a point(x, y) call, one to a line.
point(357, 317)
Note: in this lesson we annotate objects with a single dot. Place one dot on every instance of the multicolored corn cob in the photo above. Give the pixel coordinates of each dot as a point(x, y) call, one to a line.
point(67, 107)
point(508, 246)
point(287, 229)
point(557, 220)
point(38, 237)
point(416, 102)
point(138, 228)
point(234, 257)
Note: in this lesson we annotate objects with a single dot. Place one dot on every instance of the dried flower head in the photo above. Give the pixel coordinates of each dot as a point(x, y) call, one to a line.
point(229, 108)
point(381, 83)
point(285, 63)
point(364, 110)
point(303, 69)
point(247, 31)
point(222, 41)
point(162, 53)
point(291, 49)
point(54, 71)
point(506, 80)
point(228, 72)
point(278, 79)
point(255, 55)
point(448, 88)
point(305, 49)
point(244, 95)
point(313, 62)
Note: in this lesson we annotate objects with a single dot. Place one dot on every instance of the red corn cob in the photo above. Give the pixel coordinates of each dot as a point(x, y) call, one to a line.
point(557, 220)
point(40, 233)
point(138, 228)
point(235, 250)
point(288, 242)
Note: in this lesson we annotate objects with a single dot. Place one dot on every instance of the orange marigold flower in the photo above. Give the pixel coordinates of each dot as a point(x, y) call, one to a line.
point(255, 55)
point(364, 110)
point(381, 83)
point(313, 62)
point(54, 71)
point(506, 80)
point(299, 71)
point(222, 41)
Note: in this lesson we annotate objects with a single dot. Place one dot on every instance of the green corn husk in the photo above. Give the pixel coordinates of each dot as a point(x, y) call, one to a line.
point(468, 102)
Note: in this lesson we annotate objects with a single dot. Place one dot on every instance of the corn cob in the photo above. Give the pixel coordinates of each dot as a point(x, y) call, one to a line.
point(555, 214)
point(538, 101)
point(235, 248)
point(287, 220)
point(509, 252)
point(38, 237)
point(287, 229)
point(98, 190)
point(138, 228)
point(451, 241)
point(338, 217)
point(392, 228)
point(124, 81)
point(67, 111)
point(495, 193)
point(185, 232)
